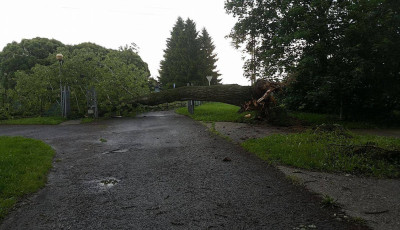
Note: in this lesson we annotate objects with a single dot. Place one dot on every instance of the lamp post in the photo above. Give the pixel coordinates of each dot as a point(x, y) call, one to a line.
point(59, 57)
point(209, 80)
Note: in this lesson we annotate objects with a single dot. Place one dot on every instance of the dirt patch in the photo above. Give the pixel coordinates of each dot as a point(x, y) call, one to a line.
point(239, 132)
point(375, 200)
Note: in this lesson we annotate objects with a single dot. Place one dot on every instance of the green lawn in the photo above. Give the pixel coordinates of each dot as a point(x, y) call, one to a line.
point(217, 112)
point(330, 152)
point(24, 164)
point(88, 120)
point(34, 121)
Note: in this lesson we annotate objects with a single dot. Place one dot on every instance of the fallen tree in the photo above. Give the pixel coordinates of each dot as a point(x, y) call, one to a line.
point(258, 97)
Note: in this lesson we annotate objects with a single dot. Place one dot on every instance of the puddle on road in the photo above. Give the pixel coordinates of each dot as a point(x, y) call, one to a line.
point(110, 182)
point(120, 151)
point(134, 147)
point(101, 185)
point(156, 114)
point(117, 151)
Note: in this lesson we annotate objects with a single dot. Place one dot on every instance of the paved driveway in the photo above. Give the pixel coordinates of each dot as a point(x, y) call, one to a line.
point(159, 171)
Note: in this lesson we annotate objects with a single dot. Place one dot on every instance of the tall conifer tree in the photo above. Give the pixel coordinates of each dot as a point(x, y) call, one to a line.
point(208, 59)
point(170, 67)
point(188, 58)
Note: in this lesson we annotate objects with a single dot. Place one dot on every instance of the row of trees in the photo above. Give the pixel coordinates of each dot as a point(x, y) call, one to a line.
point(30, 79)
point(335, 56)
point(189, 57)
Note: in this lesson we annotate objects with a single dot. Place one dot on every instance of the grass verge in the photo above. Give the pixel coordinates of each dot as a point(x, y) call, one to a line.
point(24, 164)
point(314, 119)
point(357, 154)
point(86, 120)
point(217, 112)
point(34, 121)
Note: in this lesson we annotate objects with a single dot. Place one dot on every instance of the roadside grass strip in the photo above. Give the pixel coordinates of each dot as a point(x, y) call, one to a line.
point(217, 112)
point(24, 164)
point(318, 119)
point(34, 121)
point(330, 152)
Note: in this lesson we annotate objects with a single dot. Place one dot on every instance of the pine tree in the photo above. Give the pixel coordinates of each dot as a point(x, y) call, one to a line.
point(170, 67)
point(208, 59)
point(188, 58)
point(192, 51)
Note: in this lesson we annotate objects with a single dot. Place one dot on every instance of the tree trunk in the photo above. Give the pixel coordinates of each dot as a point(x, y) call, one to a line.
point(230, 94)
point(259, 97)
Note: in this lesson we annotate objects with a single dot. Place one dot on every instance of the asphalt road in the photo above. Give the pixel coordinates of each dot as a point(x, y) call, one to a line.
point(160, 171)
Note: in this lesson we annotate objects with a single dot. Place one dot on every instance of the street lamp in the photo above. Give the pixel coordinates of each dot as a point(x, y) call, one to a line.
point(59, 57)
point(209, 80)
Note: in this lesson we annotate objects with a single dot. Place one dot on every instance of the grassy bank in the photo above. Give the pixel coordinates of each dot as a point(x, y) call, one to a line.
point(313, 119)
point(334, 150)
point(24, 164)
point(34, 121)
point(217, 112)
point(356, 154)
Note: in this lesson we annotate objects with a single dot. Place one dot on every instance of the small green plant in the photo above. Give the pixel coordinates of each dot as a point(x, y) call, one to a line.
point(103, 140)
point(294, 180)
point(329, 202)
point(358, 220)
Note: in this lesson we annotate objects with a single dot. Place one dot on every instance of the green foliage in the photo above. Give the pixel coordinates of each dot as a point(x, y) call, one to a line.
point(337, 57)
point(23, 56)
point(217, 112)
point(314, 119)
point(24, 164)
point(4, 114)
point(188, 58)
point(293, 180)
point(118, 76)
point(331, 152)
point(329, 202)
point(34, 121)
point(207, 60)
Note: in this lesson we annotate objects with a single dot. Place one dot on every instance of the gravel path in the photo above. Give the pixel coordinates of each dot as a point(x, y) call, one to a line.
point(160, 171)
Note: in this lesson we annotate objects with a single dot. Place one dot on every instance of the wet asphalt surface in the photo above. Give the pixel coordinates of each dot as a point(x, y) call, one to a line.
point(159, 171)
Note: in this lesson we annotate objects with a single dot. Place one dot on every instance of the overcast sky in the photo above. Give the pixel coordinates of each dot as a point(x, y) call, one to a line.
point(119, 22)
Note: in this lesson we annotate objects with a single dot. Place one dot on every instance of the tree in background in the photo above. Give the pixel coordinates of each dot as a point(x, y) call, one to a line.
point(23, 56)
point(208, 59)
point(117, 76)
point(188, 58)
point(336, 56)
point(171, 68)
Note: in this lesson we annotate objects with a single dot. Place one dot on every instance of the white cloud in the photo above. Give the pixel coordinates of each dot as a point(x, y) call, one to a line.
point(115, 23)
